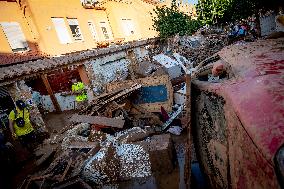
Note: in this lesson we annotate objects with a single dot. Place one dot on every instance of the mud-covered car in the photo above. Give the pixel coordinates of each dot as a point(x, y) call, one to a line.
point(238, 115)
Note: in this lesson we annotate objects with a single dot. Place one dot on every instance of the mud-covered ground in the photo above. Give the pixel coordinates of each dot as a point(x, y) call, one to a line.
point(174, 180)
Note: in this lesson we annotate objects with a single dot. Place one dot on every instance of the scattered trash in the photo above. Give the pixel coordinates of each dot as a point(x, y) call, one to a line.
point(104, 121)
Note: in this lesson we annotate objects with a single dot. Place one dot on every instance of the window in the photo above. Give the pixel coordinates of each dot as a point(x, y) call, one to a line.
point(61, 30)
point(15, 36)
point(92, 29)
point(128, 27)
point(104, 30)
point(75, 29)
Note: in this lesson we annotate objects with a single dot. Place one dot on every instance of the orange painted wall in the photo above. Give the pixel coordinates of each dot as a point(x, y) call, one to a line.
point(34, 17)
point(11, 12)
point(42, 11)
point(139, 13)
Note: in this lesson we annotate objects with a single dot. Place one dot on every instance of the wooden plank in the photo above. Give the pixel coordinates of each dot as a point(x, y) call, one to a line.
point(50, 92)
point(83, 75)
point(105, 121)
point(187, 165)
point(45, 157)
point(66, 170)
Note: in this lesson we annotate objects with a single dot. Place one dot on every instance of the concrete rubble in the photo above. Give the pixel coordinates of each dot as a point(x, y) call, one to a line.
point(120, 135)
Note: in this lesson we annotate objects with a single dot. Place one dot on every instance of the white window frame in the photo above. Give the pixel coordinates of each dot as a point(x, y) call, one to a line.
point(77, 36)
point(61, 30)
point(128, 26)
point(15, 36)
point(92, 29)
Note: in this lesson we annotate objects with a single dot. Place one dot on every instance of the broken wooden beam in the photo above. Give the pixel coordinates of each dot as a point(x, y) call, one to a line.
point(45, 157)
point(173, 116)
point(50, 92)
point(66, 170)
point(104, 121)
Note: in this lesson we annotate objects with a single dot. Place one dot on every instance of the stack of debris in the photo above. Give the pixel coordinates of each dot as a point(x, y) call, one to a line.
point(198, 48)
point(120, 135)
point(117, 137)
point(97, 158)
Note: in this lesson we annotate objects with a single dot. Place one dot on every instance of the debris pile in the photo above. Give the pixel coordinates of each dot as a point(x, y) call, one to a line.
point(120, 135)
point(117, 137)
point(199, 47)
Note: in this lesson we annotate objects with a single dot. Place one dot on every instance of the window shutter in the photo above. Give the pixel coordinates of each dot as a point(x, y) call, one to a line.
point(92, 29)
point(128, 27)
point(61, 30)
point(72, 21)
point(15, 36)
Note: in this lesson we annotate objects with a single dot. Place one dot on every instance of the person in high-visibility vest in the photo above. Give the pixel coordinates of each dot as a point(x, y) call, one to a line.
point(79, 89)
point(20, 124)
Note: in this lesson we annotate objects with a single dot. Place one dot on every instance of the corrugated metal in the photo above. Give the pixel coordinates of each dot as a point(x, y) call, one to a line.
point(15, 36)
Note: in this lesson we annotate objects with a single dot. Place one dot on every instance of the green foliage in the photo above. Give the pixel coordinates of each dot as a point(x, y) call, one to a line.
point(220, 11)
point(169, 21)
point(210, 11)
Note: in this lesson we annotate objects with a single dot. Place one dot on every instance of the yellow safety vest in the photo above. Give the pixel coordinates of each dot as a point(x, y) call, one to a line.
point(77, 87)
point(27, 128)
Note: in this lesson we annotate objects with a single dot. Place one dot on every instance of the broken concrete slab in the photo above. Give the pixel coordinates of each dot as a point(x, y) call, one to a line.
point(145, 68)
point(103, 167)
point(172, 66)
point(98, 120)
point(134, 161)
point(161, 151)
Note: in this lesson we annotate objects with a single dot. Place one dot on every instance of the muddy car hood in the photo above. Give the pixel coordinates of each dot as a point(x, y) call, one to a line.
point(256, 91)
